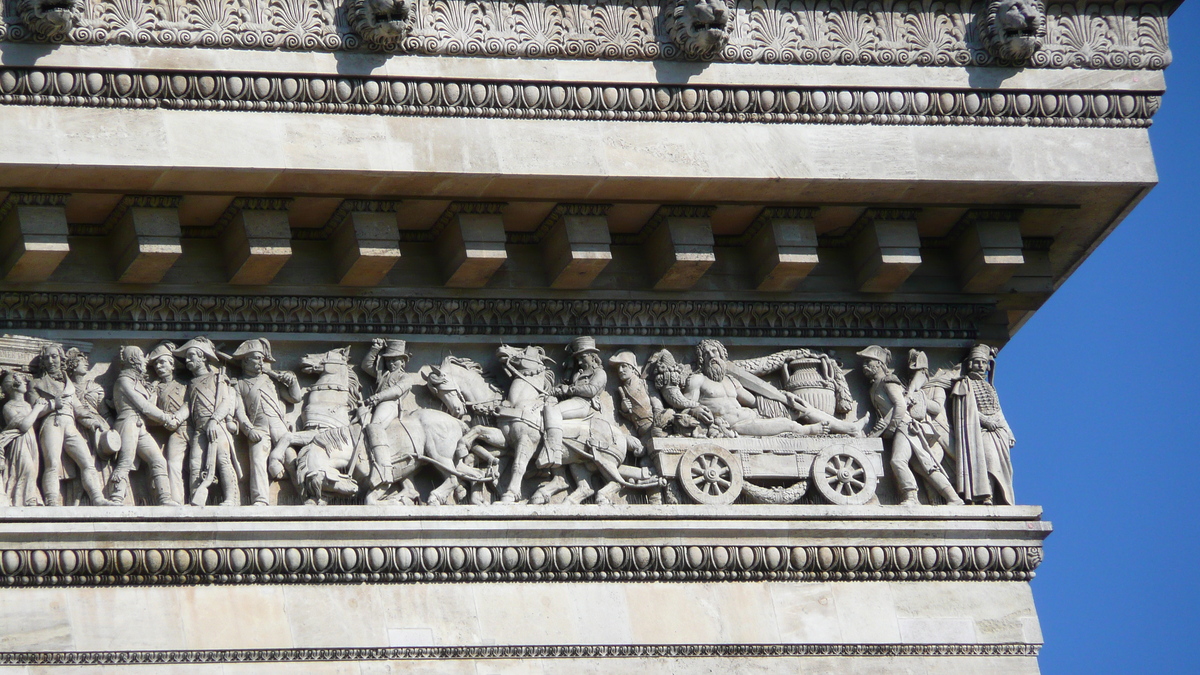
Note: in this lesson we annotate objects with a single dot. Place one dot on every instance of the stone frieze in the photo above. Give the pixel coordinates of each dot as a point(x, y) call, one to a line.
point(588, 651)
point(1083, 33)
point(440, 97)
point(208, 426)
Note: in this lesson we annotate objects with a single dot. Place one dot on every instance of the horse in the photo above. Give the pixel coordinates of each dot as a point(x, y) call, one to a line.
point(333, 456)
point(516, 423)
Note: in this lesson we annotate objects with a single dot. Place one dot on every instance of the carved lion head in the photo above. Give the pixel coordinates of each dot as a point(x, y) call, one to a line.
point(51, 18)
point(699, 27)
point(383, 23)
point(1013, 29)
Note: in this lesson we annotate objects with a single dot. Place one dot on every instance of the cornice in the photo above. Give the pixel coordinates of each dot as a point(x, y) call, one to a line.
point(488, 98)
point(489, 316)
point(1078, 33)
point(590, 651)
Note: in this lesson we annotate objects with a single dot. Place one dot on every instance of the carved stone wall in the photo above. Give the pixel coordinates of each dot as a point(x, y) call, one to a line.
point(895, 32)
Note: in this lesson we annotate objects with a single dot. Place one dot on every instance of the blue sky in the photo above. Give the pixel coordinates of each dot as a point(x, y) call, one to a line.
point(1102, 388)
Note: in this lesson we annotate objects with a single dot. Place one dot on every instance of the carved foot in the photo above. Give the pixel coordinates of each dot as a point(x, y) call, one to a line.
point(580, 494)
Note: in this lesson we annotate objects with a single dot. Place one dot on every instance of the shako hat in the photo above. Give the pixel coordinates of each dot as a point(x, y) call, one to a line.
point(260, 345)
point(395, 348)
point(626, 357)
point(583, 344)
point(206, 347)
point(877, 353)
point(164, 349)
point(981, 351)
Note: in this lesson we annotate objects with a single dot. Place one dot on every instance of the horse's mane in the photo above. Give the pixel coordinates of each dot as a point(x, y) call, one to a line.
point(474, 367)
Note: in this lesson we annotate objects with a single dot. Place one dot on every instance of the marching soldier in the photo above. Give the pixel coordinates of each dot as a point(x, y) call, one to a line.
point(261, 415)
point(169, 397)
point(212, 404)
point(910, 446)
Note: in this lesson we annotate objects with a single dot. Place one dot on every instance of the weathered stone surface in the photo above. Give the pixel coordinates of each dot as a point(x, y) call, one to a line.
point(33, 237)
point(257, 241)
point(144, 239)
point(366, 246)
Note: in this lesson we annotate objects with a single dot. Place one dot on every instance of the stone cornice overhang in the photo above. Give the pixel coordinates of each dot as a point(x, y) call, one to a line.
point(1081, 33)
point(357, 544)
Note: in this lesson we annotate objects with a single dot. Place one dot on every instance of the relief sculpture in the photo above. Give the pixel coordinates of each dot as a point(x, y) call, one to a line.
point(535, 426)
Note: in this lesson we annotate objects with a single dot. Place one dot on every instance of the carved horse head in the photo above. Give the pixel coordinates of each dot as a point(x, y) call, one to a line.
point(462, 387)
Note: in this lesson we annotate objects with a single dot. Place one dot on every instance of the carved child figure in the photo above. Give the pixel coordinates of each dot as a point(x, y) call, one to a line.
point(910, 447)
point(212, 401)
point(133, 400)
point(169, 397)
point(59, 431)
point(981, 438)
point(261, 415)
point(18, 442)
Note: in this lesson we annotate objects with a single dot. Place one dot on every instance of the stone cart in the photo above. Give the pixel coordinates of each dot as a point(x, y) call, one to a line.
point(845, 470)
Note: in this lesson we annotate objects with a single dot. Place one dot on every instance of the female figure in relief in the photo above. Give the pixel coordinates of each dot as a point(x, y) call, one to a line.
point(18, 442)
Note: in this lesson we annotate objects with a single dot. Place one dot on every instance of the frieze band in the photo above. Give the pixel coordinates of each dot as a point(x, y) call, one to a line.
point(443, 564)
point(1079, 33)
point(195, 656)
point(176, 90)
point(490, 316)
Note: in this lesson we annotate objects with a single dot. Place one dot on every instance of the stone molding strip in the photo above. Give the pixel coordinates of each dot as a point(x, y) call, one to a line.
point(427, 97)
point(151, 657)
point(192, 314)
point(737, 561)
point(1110, 34)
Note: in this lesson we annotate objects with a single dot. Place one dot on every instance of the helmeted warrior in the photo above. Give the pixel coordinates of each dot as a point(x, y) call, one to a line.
point(902, 419)
point(576, 399)
point(169, 396)
point(212, 403)
point(59, 431)
point(261, 415)
point(385, 361)
point(981, 440)
point(643, 411)
point(133, 400)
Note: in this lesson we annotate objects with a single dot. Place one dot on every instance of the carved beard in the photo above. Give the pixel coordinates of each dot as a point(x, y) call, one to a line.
point(715, 369)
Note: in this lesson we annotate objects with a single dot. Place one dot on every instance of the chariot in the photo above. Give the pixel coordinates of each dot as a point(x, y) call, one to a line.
point(845, 470)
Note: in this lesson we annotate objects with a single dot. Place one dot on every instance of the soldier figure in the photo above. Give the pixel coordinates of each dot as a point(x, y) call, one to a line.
point(261, 414)
point(901, 420)
point(981, 439)
point(132, 398)
point(169, 397)
point(59, 432)
point(210, 398)
point(581, 397)
point(385, 362)
point(636, 404)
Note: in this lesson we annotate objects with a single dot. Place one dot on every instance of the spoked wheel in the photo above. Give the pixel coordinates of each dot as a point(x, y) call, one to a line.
point(710, 474)
point(844, 476)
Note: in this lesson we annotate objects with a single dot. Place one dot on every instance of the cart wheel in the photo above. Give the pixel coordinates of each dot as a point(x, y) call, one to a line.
point(710, 474)
point(844, 475)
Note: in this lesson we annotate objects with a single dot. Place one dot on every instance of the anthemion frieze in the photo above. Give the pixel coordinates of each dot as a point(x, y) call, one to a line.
point(1054, 35)
point(657, 337)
